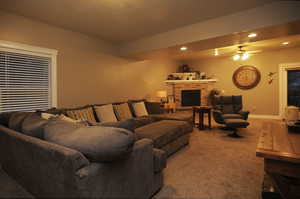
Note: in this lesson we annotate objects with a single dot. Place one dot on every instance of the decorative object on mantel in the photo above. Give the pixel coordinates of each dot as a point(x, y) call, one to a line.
point(193, 76)
point(170, 99)
point(184, 68)
point(246, 77)
point(271, 77)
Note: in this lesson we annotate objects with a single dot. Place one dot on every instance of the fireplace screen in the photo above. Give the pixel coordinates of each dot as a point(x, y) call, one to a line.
point(190, 97)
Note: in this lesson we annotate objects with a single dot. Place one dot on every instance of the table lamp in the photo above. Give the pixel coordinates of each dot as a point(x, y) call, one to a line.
point(162, 95)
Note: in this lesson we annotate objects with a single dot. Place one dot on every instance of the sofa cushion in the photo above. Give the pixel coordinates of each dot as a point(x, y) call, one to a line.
point(144, 120)
point(33, 125)
point(139, 109)
point(178, 115)
point(97, 143)
point(85, 114)
point(122, 111)
point(232, 116)
point(236, 123)
point(163, 132)
point(16, 119)
point(129, 124)
point(105, 113)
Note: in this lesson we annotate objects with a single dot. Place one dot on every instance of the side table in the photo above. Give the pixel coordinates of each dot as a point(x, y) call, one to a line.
point(201, 110)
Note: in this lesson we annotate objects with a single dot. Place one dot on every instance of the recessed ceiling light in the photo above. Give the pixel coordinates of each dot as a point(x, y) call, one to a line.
point(285, 43)
point(216, 52)
point(252, 35)
point(183, 48)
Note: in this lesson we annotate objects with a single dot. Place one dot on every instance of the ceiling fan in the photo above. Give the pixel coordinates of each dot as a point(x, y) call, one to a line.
point(242, 54)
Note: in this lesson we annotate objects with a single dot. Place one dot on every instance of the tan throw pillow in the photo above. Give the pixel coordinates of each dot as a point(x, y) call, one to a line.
point(68, 119)
point(139, 109)
point(85, 114)
point(105, 113)
point(122, 111)
point(47, 115)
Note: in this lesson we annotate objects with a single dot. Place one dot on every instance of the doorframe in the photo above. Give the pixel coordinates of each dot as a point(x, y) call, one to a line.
point(283, 68)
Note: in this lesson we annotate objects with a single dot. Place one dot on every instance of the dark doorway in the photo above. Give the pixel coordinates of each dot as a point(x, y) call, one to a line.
point(190, 98)
point(294, 88)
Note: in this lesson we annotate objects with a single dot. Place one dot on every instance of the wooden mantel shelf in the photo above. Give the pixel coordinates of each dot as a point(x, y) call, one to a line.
point(192, 81)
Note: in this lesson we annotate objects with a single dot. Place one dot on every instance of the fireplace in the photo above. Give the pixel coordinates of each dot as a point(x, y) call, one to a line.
point(190, 97)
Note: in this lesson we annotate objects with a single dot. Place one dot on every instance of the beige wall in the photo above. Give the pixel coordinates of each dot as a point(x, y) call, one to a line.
point(88, 72)
point(264, 98)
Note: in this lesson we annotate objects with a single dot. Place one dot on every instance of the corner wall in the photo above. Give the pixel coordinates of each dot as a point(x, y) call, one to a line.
point(264, 98)
point(88, 70)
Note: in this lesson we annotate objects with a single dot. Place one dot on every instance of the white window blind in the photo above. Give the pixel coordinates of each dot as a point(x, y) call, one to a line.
point(25, 82)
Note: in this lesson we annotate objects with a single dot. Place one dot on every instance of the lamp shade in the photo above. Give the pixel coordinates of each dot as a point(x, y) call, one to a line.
point(161, 93)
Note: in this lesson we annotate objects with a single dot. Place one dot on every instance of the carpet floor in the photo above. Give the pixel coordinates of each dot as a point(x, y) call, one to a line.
point(213, 166)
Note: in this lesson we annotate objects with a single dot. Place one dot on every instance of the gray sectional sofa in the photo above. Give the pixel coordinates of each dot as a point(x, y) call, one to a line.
point(51, 170)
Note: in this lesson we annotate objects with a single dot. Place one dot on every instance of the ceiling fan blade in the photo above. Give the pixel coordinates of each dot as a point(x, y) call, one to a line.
point(254, 51)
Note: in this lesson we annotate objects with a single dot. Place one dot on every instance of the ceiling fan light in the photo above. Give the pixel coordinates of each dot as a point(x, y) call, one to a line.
point(236, 57)
point(245, 56)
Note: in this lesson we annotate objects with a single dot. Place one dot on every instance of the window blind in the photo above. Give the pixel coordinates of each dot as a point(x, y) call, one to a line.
point(24, 82)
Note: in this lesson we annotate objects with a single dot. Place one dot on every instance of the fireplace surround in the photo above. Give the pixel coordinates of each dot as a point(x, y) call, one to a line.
point(175, 88)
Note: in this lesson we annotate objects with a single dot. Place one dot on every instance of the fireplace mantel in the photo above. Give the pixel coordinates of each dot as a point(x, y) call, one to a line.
point(192, 81)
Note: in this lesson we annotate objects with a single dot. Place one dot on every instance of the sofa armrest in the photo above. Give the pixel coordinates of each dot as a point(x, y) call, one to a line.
point(217, 115)
point(244, 114)
point(128, 178)
point(35, 163)
point(160, 160)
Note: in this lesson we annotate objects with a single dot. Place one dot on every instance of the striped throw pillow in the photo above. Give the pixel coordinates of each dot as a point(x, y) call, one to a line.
point(122, 111)
point(85, 114)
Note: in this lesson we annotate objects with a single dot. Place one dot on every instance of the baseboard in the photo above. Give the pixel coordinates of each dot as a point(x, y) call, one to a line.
point(274, 117)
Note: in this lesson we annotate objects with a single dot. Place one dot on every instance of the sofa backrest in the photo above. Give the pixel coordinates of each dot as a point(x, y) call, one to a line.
point(228, 104)
point(64, 111)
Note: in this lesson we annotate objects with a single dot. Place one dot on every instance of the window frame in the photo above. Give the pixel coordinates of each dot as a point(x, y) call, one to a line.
point(15, 47)
point(283, 68)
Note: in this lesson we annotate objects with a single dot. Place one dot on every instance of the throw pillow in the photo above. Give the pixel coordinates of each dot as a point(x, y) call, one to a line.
point(97, 143)
point(153, 107)
point(122, 111)
point(68, 119)
point(16, 119)
point(139, 109)
point(85, 114)
point(105, 113)
point(33, 125)
point(47, 115)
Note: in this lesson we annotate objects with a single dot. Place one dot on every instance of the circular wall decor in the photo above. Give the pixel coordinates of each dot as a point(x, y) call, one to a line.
point(246, 77)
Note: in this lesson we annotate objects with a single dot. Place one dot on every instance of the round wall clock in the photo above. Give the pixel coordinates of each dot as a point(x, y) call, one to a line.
point(246, 77)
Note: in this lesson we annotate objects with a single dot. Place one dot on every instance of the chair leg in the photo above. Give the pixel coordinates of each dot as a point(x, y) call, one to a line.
point(234, 134)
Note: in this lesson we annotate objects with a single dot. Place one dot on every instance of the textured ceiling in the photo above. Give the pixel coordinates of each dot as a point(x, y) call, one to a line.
point(125, 20)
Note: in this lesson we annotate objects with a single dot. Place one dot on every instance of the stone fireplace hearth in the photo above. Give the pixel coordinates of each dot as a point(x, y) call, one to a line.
point(176, 87)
